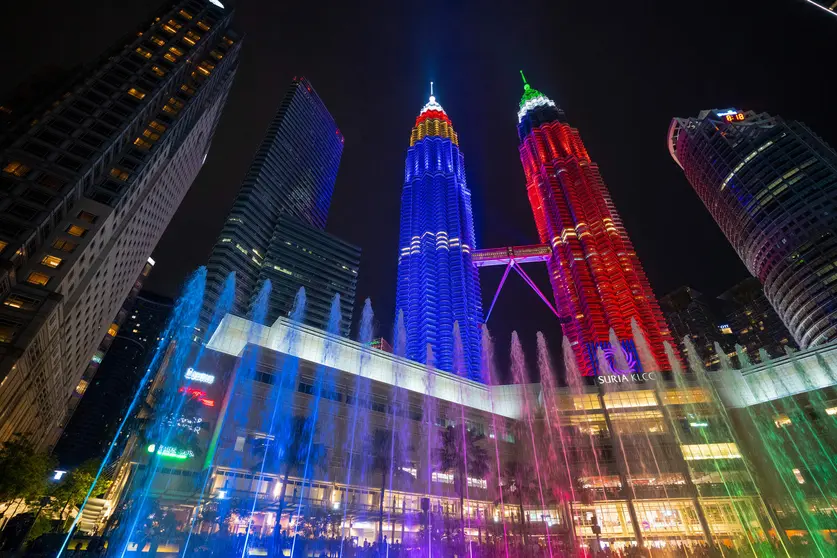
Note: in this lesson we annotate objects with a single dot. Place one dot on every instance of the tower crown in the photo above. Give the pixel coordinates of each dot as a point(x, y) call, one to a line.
point(531, 99)
point(433, 121)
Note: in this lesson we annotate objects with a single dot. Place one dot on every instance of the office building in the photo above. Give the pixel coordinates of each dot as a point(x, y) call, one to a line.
point(691, 314)
point(597, 279)
point(753, 320)
point(300, 255)
point(292, 173)
point(116, 380)
point(87, 191)
point(771, 186)
point(437, 283)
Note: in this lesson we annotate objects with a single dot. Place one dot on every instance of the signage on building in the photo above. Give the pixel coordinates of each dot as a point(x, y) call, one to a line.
point(625, 369)
point(732, 115)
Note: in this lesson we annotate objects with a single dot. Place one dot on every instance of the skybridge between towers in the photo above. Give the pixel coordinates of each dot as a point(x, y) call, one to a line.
point(512, 257)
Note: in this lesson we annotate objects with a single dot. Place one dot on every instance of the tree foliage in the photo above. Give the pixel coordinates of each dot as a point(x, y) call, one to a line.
point(24, 471)
point(73, 488)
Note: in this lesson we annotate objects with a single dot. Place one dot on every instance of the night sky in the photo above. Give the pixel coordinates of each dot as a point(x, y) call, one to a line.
point(620, 70)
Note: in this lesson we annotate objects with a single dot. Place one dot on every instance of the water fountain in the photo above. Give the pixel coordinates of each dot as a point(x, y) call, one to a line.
point(286, 440)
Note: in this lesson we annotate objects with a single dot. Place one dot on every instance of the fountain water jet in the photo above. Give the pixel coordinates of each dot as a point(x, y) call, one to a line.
point(518, 366)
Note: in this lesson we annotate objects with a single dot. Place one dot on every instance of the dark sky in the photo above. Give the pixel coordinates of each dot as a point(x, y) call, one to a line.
point(620, 70)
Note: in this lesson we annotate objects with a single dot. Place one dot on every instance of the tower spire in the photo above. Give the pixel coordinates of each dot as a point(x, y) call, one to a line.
point(526, 86)
point(431, 88)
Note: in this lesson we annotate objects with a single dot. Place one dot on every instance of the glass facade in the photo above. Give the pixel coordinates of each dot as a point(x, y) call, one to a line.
point(300, 255)
point(292, 173)
point(438, 285)
point(770, 185)
point(597, 279)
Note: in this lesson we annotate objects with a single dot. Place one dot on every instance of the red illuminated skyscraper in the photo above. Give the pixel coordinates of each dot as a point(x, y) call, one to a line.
point(596, 277)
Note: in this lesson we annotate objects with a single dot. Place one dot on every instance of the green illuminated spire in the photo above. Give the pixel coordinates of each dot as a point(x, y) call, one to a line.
point(529, 94)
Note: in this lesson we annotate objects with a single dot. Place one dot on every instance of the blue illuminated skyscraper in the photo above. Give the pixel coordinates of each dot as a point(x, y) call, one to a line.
point(437, 282)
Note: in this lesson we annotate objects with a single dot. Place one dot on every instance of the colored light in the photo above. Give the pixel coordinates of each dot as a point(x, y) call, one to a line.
point(198, 394)
point(727, 112)
point(201, 377)
point(597, 279)
point(435, 191)
point(168, 451)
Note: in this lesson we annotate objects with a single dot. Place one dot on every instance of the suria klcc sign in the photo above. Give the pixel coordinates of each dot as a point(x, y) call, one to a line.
point(624, 370)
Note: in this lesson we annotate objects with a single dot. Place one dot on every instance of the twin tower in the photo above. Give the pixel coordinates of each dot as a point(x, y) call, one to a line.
point(597, 280)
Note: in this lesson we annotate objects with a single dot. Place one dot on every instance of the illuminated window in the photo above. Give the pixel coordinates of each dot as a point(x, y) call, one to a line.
point(176, 51)
point(696, 452)
point(203, 26)
point(192, 35)
point(227, 41)
point(64, 245)
point(51, 261)
point(142, 144)
point(113, 330)
point(153, 136)
point(684, 396)
point(142, 52)
point(36, 278)
point(186, 89)
point(157, 126)
point(174, 24)
point(3, 245)
point(158, 70)
point(169, 29)
point(206, 68)
point(185, 14)
point(216, 55)
point(17, 168)
point(578, 402)
point(87, 217)
point(134, 92)
point(188, 41)
point(169, 57)
point(168, 109)
point(8, 329)
point(626, 399)
point(75, 230)
point(239, 443)
point(21, 302)
point(157, 40)
point(175, 103)
point(119, 174)
point(81, 387)
point(799, 478)
point(446, 478)
point(782, 420)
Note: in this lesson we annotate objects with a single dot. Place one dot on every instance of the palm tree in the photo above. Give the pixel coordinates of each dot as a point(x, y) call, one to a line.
point(519, 483)
point(468, 459)
point(385, 448)
point(290, 457)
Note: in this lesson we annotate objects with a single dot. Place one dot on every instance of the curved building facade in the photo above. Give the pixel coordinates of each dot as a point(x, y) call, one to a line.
point(597, 279)
point(771, 185)
point(438, 284)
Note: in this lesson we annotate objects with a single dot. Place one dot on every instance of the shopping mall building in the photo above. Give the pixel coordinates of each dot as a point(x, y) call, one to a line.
point(665, 459)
